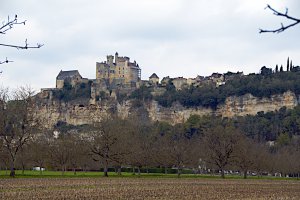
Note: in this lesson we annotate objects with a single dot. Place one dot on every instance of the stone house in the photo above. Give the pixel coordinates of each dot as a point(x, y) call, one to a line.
point(72, 77)
point(154, 79)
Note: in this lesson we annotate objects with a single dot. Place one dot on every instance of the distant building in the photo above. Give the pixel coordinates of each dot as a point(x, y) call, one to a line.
point(217, 79)
point(154, 79)
point(72, 77)
point(119, 71)
point(191, 81)
point(165, 80)
point(179, 82)
point(231, 75)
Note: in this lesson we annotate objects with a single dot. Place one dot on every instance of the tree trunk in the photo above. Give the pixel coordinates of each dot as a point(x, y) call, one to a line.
point(62, 170)
point(105, 171)
point(166, 170)
point(178, 172)
point(74, 171)
point(245, 174)
point(12, 169)
point(139, 171)
point(222, 173)
point(41, 171)
point(119, 171)
point(23, 169)
point(133, 171)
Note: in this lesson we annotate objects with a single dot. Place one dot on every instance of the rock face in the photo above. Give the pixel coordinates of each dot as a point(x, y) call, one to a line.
point(52, 112)
point(250, 105)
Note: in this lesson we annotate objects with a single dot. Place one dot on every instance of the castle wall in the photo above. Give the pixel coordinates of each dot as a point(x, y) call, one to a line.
point(60, 84)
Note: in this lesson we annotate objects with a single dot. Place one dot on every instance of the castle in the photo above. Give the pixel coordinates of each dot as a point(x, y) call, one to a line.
point(109, 74)
point(120, 72)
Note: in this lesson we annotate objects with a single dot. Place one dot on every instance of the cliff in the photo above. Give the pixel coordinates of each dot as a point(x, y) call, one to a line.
point(51, 112)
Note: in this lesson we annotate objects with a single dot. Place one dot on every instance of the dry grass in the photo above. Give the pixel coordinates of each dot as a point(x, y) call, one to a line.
point(150, 188)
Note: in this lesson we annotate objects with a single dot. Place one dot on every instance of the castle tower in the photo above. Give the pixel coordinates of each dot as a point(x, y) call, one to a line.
point(116, 57)
point(110, 60)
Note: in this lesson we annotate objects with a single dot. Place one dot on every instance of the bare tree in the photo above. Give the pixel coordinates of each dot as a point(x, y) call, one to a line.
point(59, 153)
point(78, 150)
point(17, 123)
point(220, 143)
point(38, 150)
point(160, 148)
point(4, 158)
point(294, 21)
point(8, 25)
point(245, 155)
point(140, 144)
point(180, 149)
point(262, 161)
point(109, 146)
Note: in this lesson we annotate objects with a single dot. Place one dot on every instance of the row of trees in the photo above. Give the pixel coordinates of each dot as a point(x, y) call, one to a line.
point(117, 144)
point(205, 144)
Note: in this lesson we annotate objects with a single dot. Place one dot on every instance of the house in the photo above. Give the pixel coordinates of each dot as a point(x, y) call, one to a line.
point(154, 79)
point(72, 77)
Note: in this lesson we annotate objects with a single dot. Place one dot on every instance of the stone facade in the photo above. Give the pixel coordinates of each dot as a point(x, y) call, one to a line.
point(72, 77)
point(154, 79)
point(179, 82)
point(120, 72)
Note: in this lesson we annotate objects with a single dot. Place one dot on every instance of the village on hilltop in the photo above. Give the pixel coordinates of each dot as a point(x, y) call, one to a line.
point(120, 74)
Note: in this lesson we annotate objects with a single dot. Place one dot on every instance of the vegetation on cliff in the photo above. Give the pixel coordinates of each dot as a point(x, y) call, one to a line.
point(68, 93)
point(259, 85)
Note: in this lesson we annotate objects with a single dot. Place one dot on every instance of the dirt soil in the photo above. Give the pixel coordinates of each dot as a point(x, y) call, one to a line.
point(146, 188)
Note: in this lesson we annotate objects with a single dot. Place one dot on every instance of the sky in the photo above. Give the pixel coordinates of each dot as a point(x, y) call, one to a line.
point(169, 37)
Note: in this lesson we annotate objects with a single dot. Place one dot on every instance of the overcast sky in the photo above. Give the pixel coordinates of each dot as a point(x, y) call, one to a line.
point(169, 37)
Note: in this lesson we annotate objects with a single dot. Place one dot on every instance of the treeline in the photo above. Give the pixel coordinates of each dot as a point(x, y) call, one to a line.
point(202, 145)
point(265, 84)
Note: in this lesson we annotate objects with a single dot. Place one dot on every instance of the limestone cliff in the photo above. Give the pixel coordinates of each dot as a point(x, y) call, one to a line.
point(77, 114)
point(250, 105)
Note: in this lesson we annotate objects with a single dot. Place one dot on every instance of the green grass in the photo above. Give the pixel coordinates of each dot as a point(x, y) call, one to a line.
point(70, 174)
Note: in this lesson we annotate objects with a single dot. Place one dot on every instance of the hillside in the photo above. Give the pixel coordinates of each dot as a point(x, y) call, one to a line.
point(209, 96)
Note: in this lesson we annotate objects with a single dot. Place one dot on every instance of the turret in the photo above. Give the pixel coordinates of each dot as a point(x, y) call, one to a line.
point(110, 60)
point(116, 57)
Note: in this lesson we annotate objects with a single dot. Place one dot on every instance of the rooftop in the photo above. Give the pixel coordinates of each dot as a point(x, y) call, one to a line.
point(67, 74)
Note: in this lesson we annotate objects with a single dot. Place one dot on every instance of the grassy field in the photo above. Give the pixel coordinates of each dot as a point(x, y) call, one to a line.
point(147, 188)
point(80, 174)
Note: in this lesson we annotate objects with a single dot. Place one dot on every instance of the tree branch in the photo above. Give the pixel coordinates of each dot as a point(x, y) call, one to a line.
point(26, 46)
point(283, 27)
point(6, 61)
point(9, 24)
